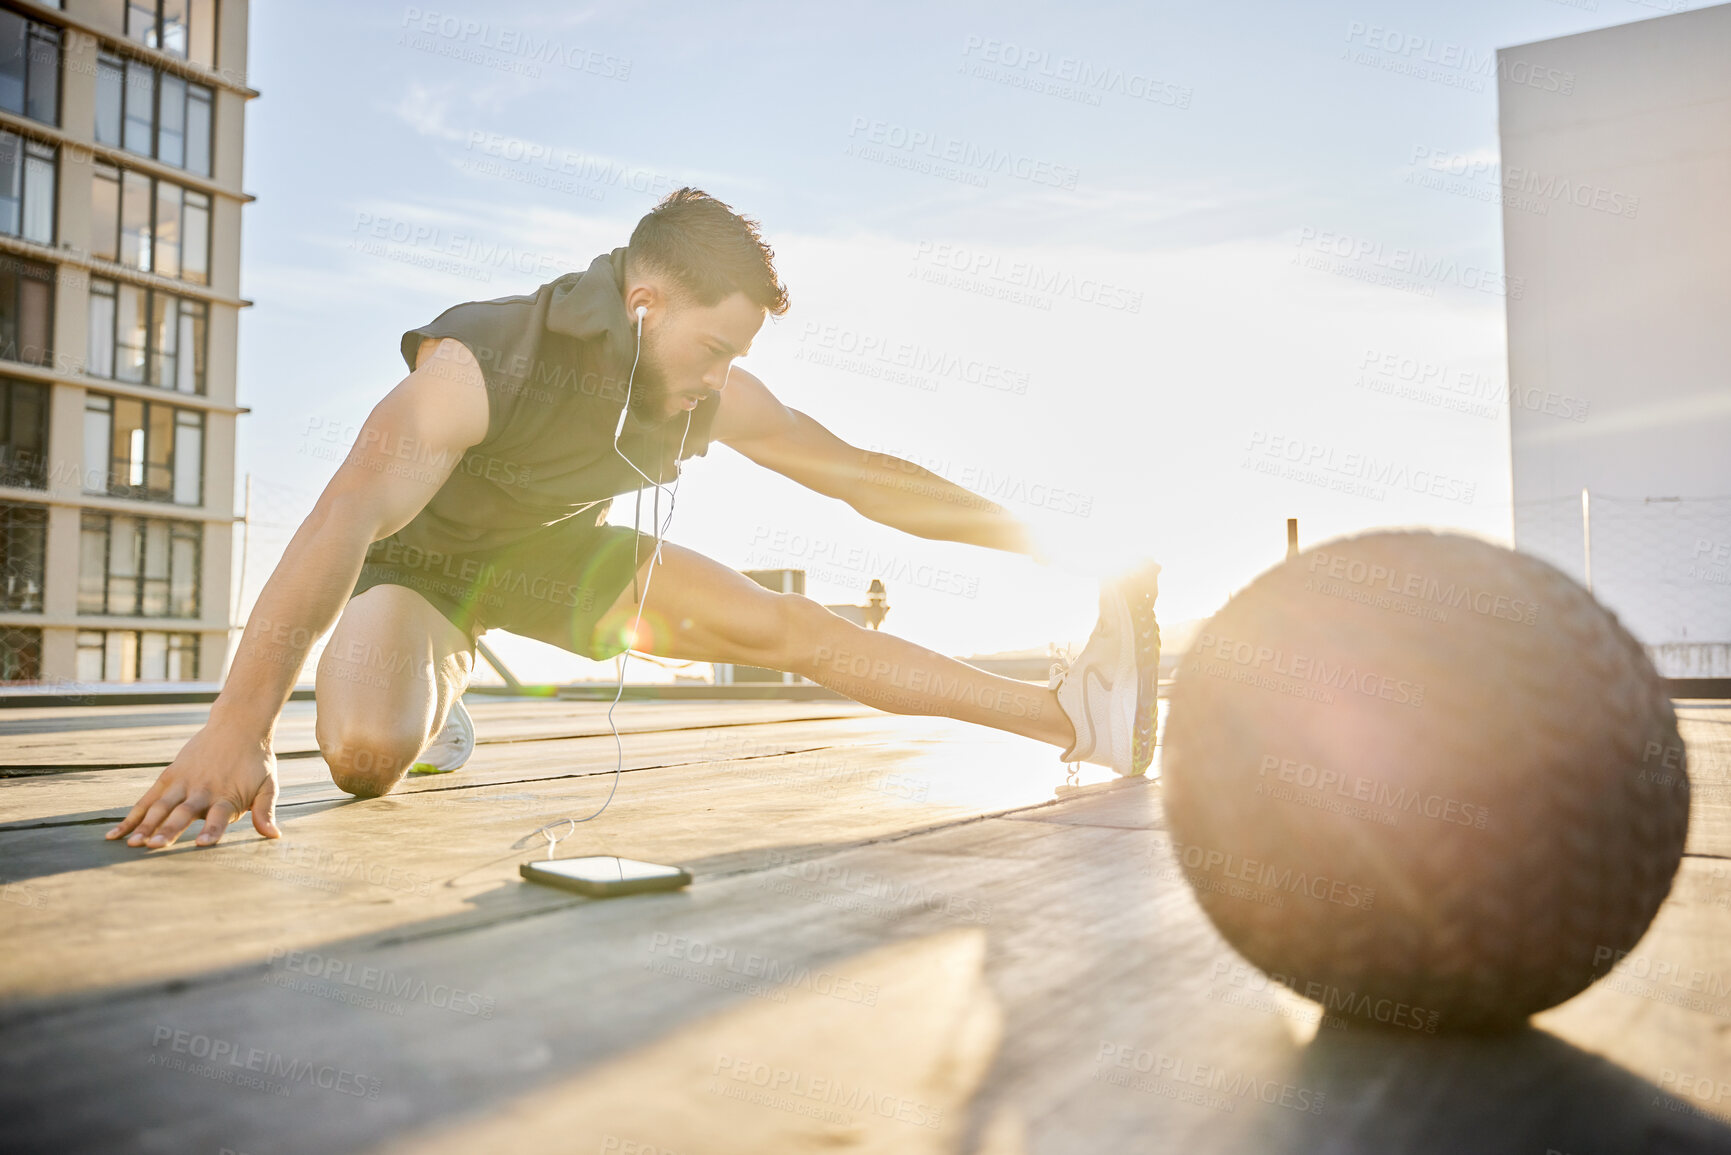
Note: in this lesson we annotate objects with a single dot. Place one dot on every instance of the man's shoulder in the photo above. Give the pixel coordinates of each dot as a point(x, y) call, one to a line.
point(517, 308)
point(499, 331)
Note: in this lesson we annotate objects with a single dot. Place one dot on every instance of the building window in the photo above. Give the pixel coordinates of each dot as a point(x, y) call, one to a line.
point(26, 310)
point(137, 656)
point(195, 228)
point(200, 117)
point(20, 654)
point(139, 112)
point(23, 434)
point(153, 113)
point(138, 566)
point(151, 225)
point(171, 121)
point(154, 452)
point(169, 201)
point(23, 543)
point(26, 188)
point(184, 28)
point(29, 68)
point(110, 98)
point(104, 211)
point(145, 336)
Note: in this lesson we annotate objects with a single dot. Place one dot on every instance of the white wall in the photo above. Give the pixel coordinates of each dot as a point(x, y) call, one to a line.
point(1616, 171)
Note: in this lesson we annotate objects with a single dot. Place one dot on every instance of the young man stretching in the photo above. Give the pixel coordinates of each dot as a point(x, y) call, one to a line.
point(476, 497)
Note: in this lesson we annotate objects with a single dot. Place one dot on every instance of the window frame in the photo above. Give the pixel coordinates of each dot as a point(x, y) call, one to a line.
point(149, 262)
point(36, 31)
point(11, 650)
point(177, 530)
point(129, 115)
point(206, 95)
point(113, 65)
point(178, 417)
point(9, 530)
point(119, 68)
point(28, 148)
point(51, 154)
point(17, 269)
point(97, 641)
point(153, 35)
point(32, 474)
point(48, 34)
point(109, 290)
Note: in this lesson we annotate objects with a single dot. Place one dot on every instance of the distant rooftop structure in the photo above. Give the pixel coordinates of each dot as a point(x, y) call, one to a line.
point(1615, 183)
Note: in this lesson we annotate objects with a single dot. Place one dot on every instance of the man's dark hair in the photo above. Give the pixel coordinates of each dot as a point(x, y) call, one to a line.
point(707, 250)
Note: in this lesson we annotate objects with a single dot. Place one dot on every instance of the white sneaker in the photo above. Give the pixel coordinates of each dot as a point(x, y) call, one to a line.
point(1110, 692)
point(451, 746)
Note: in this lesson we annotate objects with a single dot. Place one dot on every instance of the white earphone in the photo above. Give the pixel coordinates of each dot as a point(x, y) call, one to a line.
point(655, 558)
point(626, 410)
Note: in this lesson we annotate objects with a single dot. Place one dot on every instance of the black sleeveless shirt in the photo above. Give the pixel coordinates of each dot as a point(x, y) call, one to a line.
point(555, 364)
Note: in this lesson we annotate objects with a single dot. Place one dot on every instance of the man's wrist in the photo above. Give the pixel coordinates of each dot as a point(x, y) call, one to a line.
point(233, 712)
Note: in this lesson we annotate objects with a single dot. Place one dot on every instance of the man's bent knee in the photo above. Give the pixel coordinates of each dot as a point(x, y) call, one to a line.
point(807, 635)
point(368, 763)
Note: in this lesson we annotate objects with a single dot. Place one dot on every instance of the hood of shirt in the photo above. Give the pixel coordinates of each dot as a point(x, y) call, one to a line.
point(591, 306)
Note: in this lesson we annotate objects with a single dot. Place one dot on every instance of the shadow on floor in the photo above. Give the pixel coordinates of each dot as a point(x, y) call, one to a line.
point(1526, 1092)
point(1087, 942)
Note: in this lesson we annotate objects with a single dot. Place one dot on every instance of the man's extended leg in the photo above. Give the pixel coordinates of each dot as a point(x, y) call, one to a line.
point(386, 680)
point(699, 610)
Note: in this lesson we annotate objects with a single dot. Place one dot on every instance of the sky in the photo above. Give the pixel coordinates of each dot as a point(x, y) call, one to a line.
point(1155, 277)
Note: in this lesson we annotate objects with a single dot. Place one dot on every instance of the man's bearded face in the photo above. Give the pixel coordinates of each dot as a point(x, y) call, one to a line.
point(649, 385)
point(688, 350)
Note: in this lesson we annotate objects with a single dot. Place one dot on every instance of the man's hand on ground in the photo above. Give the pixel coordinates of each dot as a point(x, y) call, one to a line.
point(219, 774)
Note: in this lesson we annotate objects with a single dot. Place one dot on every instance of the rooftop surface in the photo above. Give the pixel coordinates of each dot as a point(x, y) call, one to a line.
point(904, 935)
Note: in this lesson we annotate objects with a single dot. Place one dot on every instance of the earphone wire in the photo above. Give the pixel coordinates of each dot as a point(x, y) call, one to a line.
point(643, 598)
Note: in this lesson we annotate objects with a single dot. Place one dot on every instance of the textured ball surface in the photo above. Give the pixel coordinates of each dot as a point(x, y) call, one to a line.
point(1424, 781)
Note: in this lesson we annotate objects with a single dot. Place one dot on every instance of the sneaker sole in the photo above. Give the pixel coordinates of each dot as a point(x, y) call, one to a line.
point(1144, 587)
point(420, 768)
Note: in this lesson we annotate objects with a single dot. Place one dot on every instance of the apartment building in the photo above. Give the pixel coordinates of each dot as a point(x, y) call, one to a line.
point(121, 132)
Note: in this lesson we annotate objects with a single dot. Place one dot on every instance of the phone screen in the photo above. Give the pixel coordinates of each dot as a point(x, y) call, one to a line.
point(605, 868)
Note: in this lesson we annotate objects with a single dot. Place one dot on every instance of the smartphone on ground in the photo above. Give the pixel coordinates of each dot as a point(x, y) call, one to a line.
point(604, 875)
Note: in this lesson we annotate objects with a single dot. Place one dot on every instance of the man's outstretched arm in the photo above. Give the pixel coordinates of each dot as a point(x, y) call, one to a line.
point(410, 443)
point(887, 489)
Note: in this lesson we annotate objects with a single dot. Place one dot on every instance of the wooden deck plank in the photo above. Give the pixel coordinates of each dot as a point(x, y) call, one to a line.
point(644, 1020)
point(587, 983)
point(346, 868)
point(1663, 1012)
point(138, 736)
point(85, 796)
point(1706, 732)
point(1011, 963)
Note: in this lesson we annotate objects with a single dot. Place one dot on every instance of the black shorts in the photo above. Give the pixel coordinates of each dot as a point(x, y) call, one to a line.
point(552, 586)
